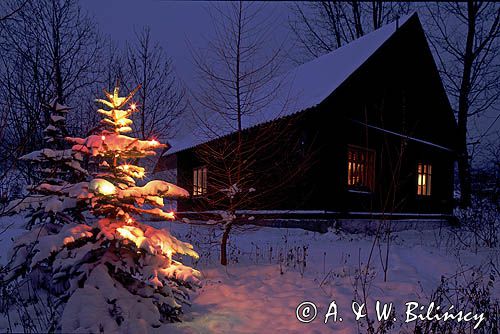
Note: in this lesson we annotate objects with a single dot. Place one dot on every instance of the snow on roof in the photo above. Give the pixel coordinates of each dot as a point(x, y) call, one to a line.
point(308, 84)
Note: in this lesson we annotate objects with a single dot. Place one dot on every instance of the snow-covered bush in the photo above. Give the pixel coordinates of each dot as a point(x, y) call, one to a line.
point(479, 224)
point(470, 289)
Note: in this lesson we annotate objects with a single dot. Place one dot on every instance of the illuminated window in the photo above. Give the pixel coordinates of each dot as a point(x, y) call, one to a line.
point(360, 168)
point(424, 173)
point(199, 181)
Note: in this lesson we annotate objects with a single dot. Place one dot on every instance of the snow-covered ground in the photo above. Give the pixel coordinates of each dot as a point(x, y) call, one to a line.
point(273, 270)
point(269, 277)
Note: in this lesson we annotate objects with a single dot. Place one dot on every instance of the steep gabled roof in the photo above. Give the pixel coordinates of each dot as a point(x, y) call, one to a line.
point(308, 84)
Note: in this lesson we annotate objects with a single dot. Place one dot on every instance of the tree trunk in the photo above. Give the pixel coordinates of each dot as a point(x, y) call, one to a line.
point(227, 229)
point(464, 172)
point(358, 27)
point(223, 244)
point(463, 109)
point(56, 39)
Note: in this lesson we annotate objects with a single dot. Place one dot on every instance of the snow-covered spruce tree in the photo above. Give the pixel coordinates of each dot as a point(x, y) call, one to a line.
point(55, 198)
point(116, 274)
point(131, 274)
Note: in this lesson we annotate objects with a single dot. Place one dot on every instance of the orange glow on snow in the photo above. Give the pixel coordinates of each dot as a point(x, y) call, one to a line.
point(132, 233)
point(134, 171)
point(136, 235)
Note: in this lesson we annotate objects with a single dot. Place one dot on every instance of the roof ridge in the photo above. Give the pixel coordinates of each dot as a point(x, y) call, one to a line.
point(343, 61)
point(399, 22)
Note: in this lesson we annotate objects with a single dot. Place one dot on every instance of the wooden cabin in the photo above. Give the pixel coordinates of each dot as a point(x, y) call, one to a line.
point(371, 123)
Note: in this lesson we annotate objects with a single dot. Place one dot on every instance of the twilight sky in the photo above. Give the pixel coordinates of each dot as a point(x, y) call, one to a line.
point(172, 23)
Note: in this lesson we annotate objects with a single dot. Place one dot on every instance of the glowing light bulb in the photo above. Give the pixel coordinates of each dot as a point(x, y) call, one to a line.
point(133, 106)
point(103, 137)
point(101, 186)
point(107, 189)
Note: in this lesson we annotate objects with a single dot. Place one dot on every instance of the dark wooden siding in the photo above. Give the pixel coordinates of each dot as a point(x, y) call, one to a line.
point(397, 89)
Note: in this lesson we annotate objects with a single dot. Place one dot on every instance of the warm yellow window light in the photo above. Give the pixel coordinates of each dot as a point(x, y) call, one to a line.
point(421, 180)
point(424, 174)
point(199, 181)
point(360, 167)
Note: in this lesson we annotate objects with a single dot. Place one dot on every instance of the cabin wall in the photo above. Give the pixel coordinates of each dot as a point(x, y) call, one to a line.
point(285, 167)
point(397, 89)
point(324, 187)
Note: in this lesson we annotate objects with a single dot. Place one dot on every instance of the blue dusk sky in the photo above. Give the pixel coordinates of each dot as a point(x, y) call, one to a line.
point(173, 23)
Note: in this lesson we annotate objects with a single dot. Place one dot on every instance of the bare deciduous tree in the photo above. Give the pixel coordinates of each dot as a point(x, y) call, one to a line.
point(9, 9)
point(239, 72)
point(324, 26)
point(466, 38)
point(49, 50)
point(161, 99)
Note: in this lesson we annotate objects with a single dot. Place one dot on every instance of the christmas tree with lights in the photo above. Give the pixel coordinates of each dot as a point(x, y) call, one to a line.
point(117, 274)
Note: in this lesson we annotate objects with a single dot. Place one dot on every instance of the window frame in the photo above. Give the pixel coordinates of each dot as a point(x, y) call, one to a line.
point(200, 190)
point(424, 170)
point(367, 165)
